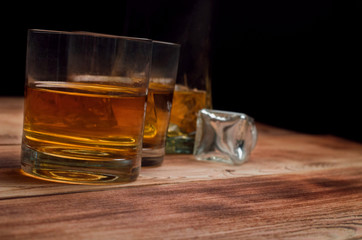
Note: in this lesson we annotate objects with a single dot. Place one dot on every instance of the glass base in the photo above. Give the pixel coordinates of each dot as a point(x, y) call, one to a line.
point(58, 169)
point(152, 157)
point(152, 161)
point(180, 145)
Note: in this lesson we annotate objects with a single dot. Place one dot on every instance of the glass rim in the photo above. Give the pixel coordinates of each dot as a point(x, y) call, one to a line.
point(86, 33)
point(166, 43)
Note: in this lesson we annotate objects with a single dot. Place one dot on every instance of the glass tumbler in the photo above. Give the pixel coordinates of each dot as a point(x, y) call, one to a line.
point(85, 99)
point(165, 58)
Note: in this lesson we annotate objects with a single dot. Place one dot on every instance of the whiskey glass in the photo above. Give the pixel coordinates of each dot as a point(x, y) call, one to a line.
point(165, 58)
point(85, 99)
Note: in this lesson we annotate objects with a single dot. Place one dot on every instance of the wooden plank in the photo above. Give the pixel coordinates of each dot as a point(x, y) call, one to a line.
point(11, 119)
point(276, 153)
point(319, 205)
point(295, 186)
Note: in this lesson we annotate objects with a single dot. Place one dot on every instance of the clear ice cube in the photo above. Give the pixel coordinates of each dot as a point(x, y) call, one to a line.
point(224, 136)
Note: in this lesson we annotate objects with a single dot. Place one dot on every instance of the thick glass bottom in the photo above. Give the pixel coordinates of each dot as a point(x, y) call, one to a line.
point(152, 157)
point(58, 169)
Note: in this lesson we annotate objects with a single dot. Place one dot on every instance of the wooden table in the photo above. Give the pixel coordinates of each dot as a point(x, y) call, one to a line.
point(294, 186)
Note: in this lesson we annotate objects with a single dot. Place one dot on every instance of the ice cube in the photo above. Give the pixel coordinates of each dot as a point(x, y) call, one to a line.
point(224, 136)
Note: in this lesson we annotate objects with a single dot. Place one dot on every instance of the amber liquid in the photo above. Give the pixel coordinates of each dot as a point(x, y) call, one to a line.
point(159, 102)
point(186, 105)
point(81, 132)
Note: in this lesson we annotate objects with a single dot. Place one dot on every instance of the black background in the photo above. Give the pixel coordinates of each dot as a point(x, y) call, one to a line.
point(292, 64)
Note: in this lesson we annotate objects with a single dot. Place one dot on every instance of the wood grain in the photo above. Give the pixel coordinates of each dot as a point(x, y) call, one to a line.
point(295, 186)
point(272, 156)
point(11, 119)
point(294, 206)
